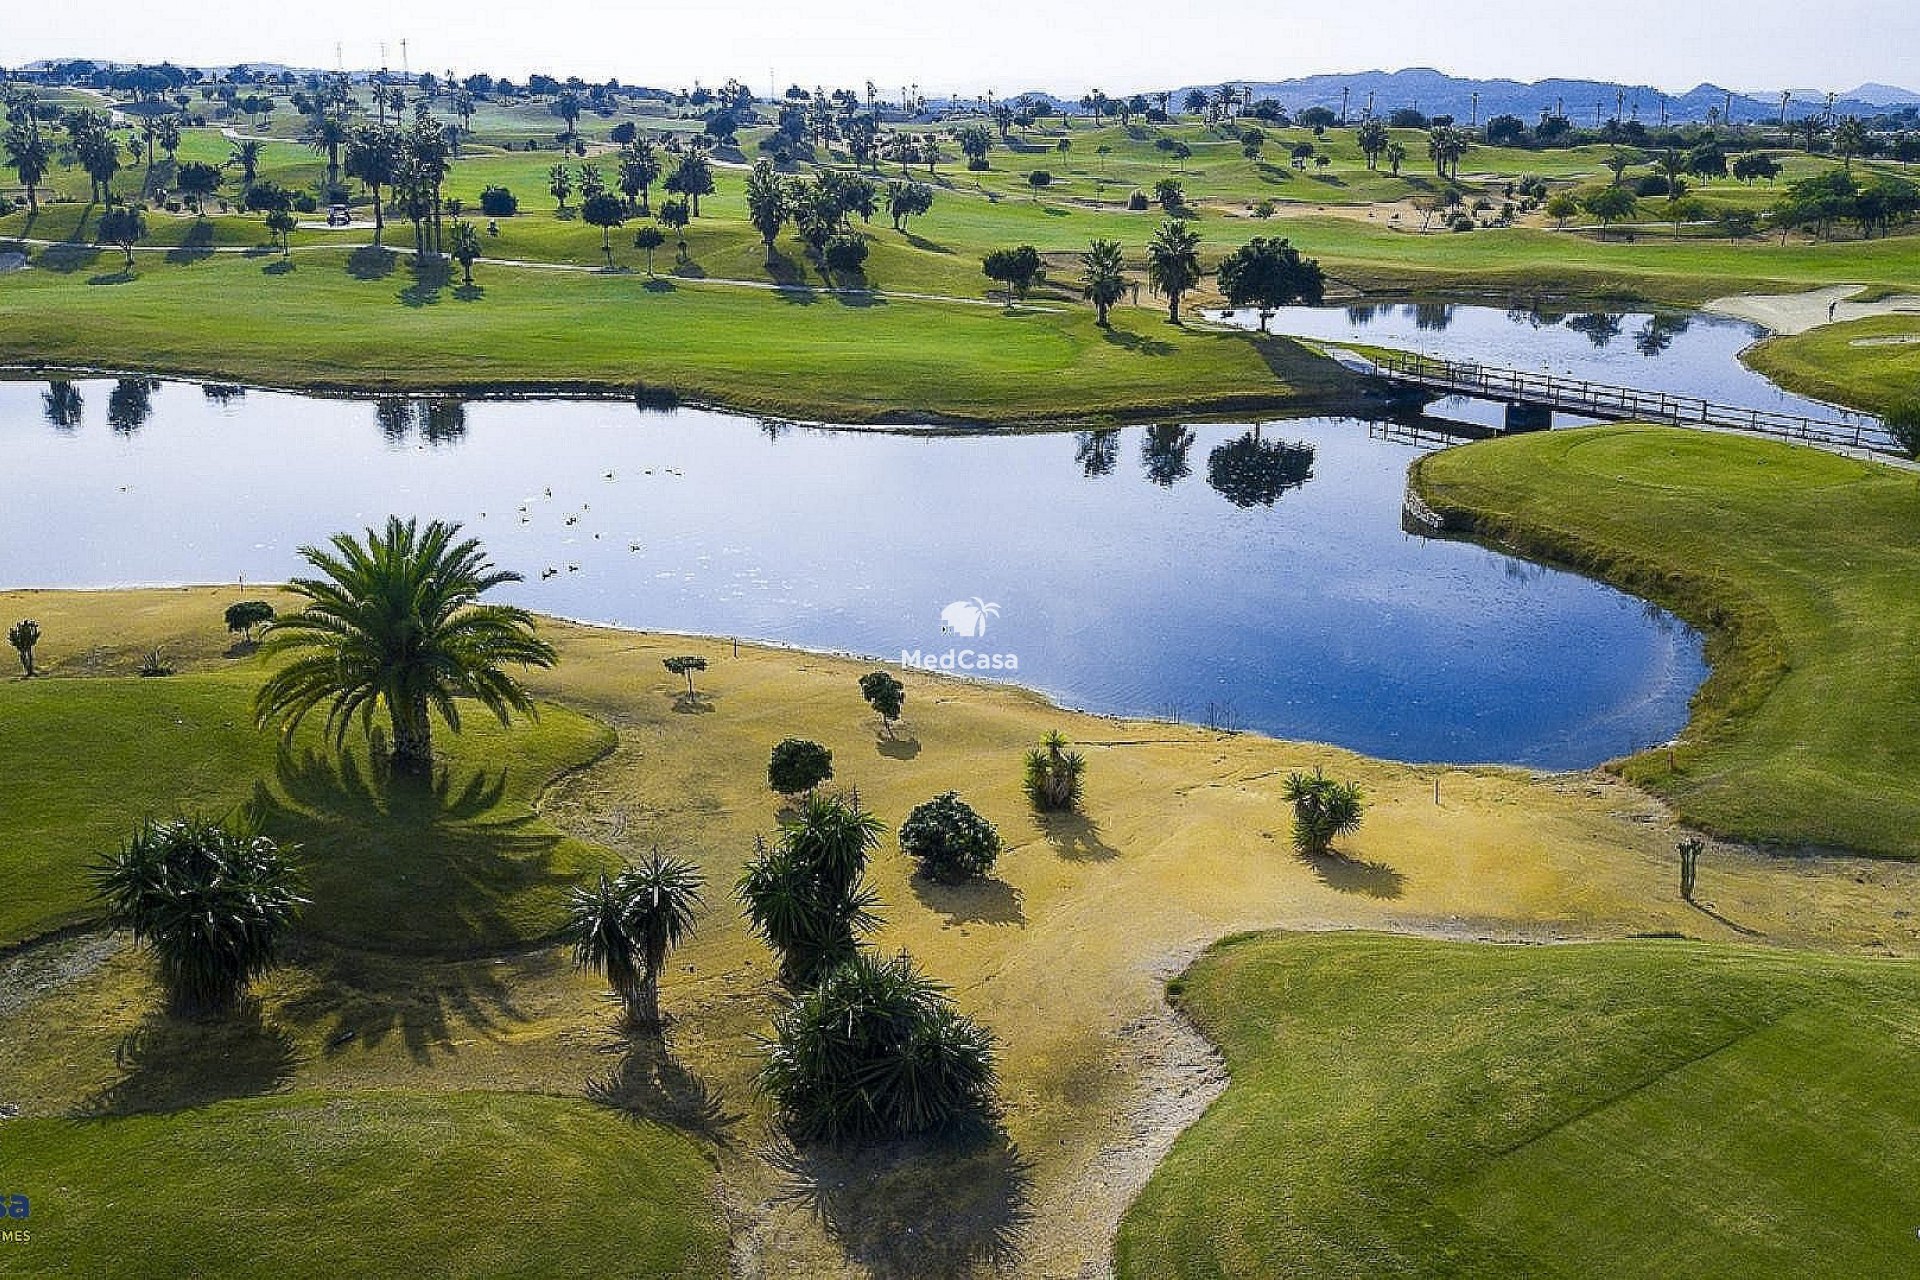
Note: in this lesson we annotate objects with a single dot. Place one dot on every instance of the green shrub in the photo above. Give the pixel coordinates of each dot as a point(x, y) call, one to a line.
point(1323, 810)
point(877, 1050)
point(1054, 775)
point(797, 765)
point(1903, 424)
point(949, 840)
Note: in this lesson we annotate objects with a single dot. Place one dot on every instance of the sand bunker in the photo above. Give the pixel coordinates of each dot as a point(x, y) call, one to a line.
point(1791, 313)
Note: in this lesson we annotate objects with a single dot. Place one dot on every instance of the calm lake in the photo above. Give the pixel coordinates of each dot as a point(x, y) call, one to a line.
point(1255, 577)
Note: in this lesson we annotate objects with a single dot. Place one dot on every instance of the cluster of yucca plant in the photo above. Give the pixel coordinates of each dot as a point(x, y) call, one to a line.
point(211, 902)
point(1323, 810)
point(806, 894)
point(23, 636)
point(625, 926)
point(877, 1050)
point(1055, 775)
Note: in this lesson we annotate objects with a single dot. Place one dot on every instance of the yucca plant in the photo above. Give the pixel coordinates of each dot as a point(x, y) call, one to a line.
point(1323, 810)
point(212, 903)
point(806, 894)
point(1055, 775)
point(395, 622)
point(877, 1050)
point(23, 636)
point(625, 927)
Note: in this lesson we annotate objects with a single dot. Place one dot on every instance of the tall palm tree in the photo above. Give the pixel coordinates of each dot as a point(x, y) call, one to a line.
point(246, 154)
point(1105, 280)
point(626, 927)
point(1173, 263)
point(396, 622)
point(327, 134)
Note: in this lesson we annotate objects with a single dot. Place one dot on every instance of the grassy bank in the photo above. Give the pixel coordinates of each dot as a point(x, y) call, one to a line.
point(1801, 568)
point(1871, 364)
point(1417, 1108)
point(335, 323)
point(373, 1184)
point(1062, 951)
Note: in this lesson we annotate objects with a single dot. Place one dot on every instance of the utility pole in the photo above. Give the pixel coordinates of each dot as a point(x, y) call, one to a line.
point(1619, 104)
point(406, 71)
point(1663, 111)
point(1344, 91)
point(1786, 96)
point(1727, 115)
point(1830, 97)
point(1369, 104)
point(1474, 123)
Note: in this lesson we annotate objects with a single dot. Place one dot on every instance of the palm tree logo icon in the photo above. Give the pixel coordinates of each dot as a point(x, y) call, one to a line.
point(968, 617)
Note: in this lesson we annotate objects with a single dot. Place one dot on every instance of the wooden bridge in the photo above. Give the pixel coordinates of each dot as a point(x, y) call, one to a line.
point(1542, 393)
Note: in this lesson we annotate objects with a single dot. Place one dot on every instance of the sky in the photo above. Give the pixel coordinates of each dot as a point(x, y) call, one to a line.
point(946, 46)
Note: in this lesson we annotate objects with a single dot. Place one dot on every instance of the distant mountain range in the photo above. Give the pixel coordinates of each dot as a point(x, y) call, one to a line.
point(1436, 93)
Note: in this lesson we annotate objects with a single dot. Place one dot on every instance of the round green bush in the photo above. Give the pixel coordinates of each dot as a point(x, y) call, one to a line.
point(797, 765)
point(949, 840)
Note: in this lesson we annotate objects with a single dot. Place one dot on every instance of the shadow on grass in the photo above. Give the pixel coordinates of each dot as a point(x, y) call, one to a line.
point(898, 748)
point(660, 284)
point(431, 276)
point(917, 1207)
point(1075, 836)
point(1139, 344)
point(280, 268)
point(170, 1063)
point(924, 244)
point(408, 864)
point(971, 901)
point(371, 262)
point(363, 999)
point(195, 246)
point(66, 259)
point(646, 1082)
point(694, 704)
point(1356, 875)
point(470, 293)
point(124, 275)
point(1711, 914)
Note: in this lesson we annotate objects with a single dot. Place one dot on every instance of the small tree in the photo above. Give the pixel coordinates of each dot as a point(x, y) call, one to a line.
point(1903, 425)
point(674, 213)
point(626, 926)
point(560, 184)
point(950, 841)
point(281, 223)
point(466, 248)
point(124, 226)
point(1561, 206)
point(649, 238)
point(1323, 810)
point(1055, 776)
point(798, 765)
point(212, 903)
point(685, 666)
point(1268, 274)
point(885, 694)
point(806, 895)
point(23, 636)
point(245, 615)
point(1015, 268)
point(877, 1050)
point(604, 210)
point(1610, 205)
point(197, 180)
point(1173, 263)
point(1690, 850)
point(498, 202)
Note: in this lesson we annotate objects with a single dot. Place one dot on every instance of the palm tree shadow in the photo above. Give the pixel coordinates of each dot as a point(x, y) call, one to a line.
point(1139, 344)
point(919, 1206)
point(371, 262)
point(1075, 836)
point(406, 863)
point(362, 999)
point(431, 276)
point(1355, 875)
point(195, 246)
point(1711, 914)
point(646, 1082)
point(980, 901)
point(171, 1063)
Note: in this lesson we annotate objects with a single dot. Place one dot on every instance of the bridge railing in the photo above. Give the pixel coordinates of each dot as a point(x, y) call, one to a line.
point(1602, 400)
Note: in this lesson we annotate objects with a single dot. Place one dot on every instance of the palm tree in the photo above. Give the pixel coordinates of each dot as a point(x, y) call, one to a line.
point(625, 927)
point(1054, 775)
point(326, 133)
point(649, 238)
point(30, 156)
point(23, 636)
point(1173, 263)
point(395, 621)
point(1105, 280)
point(806, 895)
point(466, 248)
point(246, 154)
point(212, 903)
point(1849, 140)
point(1323, 810)
point(1396, 156)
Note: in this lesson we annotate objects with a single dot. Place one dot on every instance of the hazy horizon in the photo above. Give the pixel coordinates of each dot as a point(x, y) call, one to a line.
point(1122, 46)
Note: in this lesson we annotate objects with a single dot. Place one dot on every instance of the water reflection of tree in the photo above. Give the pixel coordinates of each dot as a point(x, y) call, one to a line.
point(1658, 333)
point(222, 393)
point(1097, 452)
point(63, 406)
point(130, 404)
point(1360, 314)
point(1163, 452)
point(1251, 472)
point(441, 420)
point(1601, 329)
point(1433, 317)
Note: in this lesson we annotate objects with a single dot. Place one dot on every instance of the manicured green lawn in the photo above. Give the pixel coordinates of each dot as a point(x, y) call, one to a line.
point(1803, 570)
point(1412, 1107)
point(1873, 363)
point(372, 1184)
point(463, 866)
point(327, 323)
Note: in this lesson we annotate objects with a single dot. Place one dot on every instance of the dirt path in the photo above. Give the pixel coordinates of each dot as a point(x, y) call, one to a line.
point(1791, 313)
